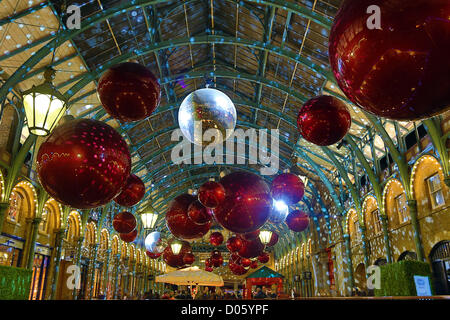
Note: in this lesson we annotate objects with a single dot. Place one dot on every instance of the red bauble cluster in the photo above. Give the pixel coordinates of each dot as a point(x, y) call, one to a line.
point(324, 120)
point(132, 193)
point(211, 194)
point(251, 248)
point(273, 239)
point(237, 269)
point(209, 269)
point(124, 222)
point(264, 258)
point(251, 235)
point(234, 244)
point(188, 258)
point(129, 237)
point(198, 213)
point(399, 70)
point(287, 187)
point(83, 163)
point(216, 238)
point(129, 92)
point(246, 262)
point(216, 259)
point(247, 203)
point(254, 264)
point(153, 255)
point(176, 260)
point(297, 221)
point(178, 221)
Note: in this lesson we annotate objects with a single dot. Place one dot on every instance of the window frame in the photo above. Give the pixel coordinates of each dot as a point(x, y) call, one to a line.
point(399, 211)
point(430, 193)
point(378, 227)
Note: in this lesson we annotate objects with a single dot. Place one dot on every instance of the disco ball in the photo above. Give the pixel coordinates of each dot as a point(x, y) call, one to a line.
point(206, 109)
point(155, 243)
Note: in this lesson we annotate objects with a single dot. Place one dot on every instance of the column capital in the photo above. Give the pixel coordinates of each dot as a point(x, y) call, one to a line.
point(4, 205)
point(411, 203)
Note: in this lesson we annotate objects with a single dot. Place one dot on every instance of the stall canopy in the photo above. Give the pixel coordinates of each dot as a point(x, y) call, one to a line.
point(191, 276)
point(263, 277)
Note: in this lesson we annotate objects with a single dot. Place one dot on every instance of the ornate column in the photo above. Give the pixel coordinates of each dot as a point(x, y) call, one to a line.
point(3, 210)
point(78, 261)
point(365, 246)
point(116, 279)
point(32, 236)
point(58, 246)
point(94, 251)
point(387, 242)
point(349, 261)
point(106, 272)
point(412, 205)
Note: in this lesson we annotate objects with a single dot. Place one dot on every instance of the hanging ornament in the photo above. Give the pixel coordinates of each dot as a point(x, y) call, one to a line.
point(128, 237)
point(250, 235)
point(237, 269)
point(199, 214)
point(178, 221)
point(216, 238)
point(129, 92)
point(176, 260)
point(251, 249)
point(273, 239)
point(234, 258)
point(297, 221)
point(154, 242)
point(324, 120)
point(247, 204)
point(234, 244)
point(206, 109)
point(83, 164)
point(208, 263)
point(132, 192)
point(124, 222)
point(254, 264)
point(209, 269)
point(246, 262)
point(211, 194)
point(287, 187)
point(279, 211)
point(152, 255)
point(216, 260)
point(264, 258)
point(395, 66)
point(188, 258)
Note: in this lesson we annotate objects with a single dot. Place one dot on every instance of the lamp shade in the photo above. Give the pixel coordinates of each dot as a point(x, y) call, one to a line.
point(44, 105)
point(149, 219)
point(265, 236)
point(176, 247)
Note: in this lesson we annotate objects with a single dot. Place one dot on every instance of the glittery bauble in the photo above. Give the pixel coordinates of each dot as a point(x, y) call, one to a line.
point(124, 222)
point(237, 269)
point(198, 213)
point(209, 269)
point(324, 120)
point(129, 237)
point(178, 221)
point(251, 249)
point(401, 70)
point(176, 260)
point(264, 258)
point(297, 221)
point(152, 255)
point(206, 109)
point(188, 258)
point(211, 194)
point(251, 235)
point(83, 164)
point(246, 262)
point(273, 239)
point(234, 244)
point(287, 187)
point(216, 238)
point(132, 192)
point(234, 258)
point(216, 260)
point(247, 203)
point(129, 92)
point(154, 242)
point(254, 264)
point(208, 263)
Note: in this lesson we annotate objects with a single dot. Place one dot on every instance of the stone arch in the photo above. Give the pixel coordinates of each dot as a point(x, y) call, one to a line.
point(347, 220)
point(124, 250)
point(360, 277)
point(104, 239)
point(370, 208)
point(73, 229)
point(23, 202)
point(8, 126)
point(115, 245)
point(2, 185)
point(90, 236)
point(407, 255)
point(132, 252)
point(394, 202)
point(51, 216)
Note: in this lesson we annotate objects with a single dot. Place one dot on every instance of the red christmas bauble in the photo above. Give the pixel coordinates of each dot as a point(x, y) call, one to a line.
point(288, 188)
point(83, 163)
point(198, 213)
point(178, 222)
point(237, 269)
point(153, 255)
point(234, 244)
point(273, 239)
point(208, 262)
point(399, 71)
point(211, 194)
point(254, 264)
point(297, 221)
point(235, 258)
point(132, 193)
point(216, 259)
point(246, 262)
point(124, 222)
point(188, 258)
point(176, 260)
point(216, 238)
point(129, 92)
point(264, 258)
point(209, 269)
point(324, 120)
point(251, 249)
point(251, 235)
point(129, 237)
point(247, 204)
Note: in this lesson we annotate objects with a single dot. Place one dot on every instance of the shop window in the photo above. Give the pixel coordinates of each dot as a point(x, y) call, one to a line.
point(435, 191)
point(9, 256)
point(400, 202)
point(376, 221)
point(15, 207)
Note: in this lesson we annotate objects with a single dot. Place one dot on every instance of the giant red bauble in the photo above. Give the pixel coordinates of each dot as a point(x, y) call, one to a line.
point(129, 237)
point(124, 222)
point(287, 187)
point(264, 257)
point(250, 235)
point(254, 264)
point(234, 244)
point(211, 194)
point(216, 260)
point(324, 120)
point(188, 258)
point(132, 192)
point(237, 269)
point(199, 214)
point(297, 221)
point(129, 92)
point(208, 262)
point(152, 255)
point(273, 239)
point(83, 163)
point(246, 262)
point(176, 260)
point(216, 238)
point(251, 249)
point(247, 203)
point(401, 70)
point(178, 221)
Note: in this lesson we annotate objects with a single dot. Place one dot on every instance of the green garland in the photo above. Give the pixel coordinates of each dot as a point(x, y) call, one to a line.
point(397, 279)
point(15, 283)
